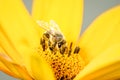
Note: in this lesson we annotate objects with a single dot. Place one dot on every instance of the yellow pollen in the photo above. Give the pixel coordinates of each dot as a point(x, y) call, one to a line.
point(60, 55)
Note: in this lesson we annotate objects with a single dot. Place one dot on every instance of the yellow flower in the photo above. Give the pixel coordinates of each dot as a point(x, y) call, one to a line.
point(60, 55)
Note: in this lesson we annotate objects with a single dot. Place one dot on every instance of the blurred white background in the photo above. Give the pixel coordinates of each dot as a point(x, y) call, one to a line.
point(92, 8)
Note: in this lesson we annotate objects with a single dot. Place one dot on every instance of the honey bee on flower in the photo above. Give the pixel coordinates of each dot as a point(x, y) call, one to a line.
point(52, 37)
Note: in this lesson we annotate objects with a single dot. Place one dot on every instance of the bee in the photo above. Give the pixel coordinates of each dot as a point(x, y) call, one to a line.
point(52, 36)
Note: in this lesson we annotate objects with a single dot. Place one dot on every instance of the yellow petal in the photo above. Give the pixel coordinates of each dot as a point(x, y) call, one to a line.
point(101, 34)
point(66, 13)
point(13, 69)
point(8, 48)
point(106, 66)
point(23, 72)
point(41, 70)
point(18, 32)
point(16, 23)
point(111, 75)
point(4, 69)
point(8, 68)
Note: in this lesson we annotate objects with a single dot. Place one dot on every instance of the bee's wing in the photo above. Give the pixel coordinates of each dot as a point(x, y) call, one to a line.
point(54, 26)
point(43, 25)
point(50, 27)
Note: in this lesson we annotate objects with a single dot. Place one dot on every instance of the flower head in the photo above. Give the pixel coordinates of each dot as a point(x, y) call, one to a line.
point(63, 56)
point(46, 46)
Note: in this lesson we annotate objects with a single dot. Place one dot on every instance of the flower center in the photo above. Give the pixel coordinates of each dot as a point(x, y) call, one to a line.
point(61, 55)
